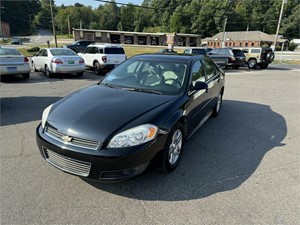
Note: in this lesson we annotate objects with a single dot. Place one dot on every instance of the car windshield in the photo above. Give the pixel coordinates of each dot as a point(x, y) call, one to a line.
point(9, 51)
point(56, 52)
point(158, 77)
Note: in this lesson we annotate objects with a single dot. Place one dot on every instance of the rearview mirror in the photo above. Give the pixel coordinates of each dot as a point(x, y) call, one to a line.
point(199, 85)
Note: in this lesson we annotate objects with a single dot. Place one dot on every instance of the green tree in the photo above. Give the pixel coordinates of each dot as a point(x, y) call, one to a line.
point(11, 11)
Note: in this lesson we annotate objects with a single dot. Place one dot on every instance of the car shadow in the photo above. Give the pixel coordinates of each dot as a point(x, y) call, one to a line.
point(271, 67)
point(219, 157)
point(18, 110)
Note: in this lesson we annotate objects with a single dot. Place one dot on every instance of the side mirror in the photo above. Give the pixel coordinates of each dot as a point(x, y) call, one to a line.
point(199, 85)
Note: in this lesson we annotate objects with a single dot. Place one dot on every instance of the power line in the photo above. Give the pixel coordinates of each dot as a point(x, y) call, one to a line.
point(139, 6)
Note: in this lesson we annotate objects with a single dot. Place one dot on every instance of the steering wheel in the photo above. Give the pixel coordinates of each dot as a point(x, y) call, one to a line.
point(173, 79)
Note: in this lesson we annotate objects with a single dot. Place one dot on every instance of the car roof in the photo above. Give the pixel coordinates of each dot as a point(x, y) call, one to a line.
point(58, 48)
point(168, 57)
point(105, 45)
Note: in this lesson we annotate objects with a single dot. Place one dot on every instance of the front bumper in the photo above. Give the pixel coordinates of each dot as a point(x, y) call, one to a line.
point(102, 164)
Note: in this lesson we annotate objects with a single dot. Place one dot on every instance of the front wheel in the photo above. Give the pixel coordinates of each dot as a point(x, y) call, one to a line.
point(252, 64)
point(217, 108)
point(173, 148)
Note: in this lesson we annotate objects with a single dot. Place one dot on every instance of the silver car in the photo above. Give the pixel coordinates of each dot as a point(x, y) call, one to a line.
point(58, 60)
point(13, 62)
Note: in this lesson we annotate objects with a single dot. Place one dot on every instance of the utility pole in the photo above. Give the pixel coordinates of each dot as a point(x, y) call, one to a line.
point(224, 29)
point(53, 25)
point(279, 21)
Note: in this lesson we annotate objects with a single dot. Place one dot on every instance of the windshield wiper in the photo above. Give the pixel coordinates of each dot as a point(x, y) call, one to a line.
point(142, 90)
point(109, 85)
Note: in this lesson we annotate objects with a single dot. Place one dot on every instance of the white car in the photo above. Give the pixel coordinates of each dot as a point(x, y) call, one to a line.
point(13, 62)
point(58, 60)
point(103, 57)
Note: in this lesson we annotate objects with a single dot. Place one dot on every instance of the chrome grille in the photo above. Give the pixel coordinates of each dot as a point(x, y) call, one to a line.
point(70, 165)
point(79, 142)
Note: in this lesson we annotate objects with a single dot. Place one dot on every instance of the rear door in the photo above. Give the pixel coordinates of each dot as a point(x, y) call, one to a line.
point(213, 80)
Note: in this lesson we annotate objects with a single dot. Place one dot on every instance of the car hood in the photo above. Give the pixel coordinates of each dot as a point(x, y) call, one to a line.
point(98, 112)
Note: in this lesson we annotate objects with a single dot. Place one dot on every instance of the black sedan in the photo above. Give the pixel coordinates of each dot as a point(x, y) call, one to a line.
point(145, 107)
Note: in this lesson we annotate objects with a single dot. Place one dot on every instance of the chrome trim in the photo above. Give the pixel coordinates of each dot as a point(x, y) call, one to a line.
point(67, 164)
point(69, 140)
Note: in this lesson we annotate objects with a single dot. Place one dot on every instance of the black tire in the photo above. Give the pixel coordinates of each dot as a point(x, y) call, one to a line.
point(263, 65)
point(97, 68)
point(173, 148)
point(252, 64)
point(33, 67)
point(217, 107)
point(79, 74)
point(26, 75)
point(47, 71)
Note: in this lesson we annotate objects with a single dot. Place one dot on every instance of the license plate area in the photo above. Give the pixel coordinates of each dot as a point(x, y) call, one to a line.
point(12, 69)
point(70, 61)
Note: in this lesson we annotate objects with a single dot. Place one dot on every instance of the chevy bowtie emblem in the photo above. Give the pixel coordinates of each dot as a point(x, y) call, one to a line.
point(66, 138)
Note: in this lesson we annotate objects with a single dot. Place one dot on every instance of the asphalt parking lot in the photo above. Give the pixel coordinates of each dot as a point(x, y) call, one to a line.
point(242, 167)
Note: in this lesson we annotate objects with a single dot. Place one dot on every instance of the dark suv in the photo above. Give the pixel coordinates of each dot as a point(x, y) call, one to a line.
point(235, 57)
point(79, 46)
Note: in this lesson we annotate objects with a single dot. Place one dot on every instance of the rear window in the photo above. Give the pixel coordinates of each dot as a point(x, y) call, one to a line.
point(9, 51)
point(238, 53)
point(199, 51)
point(114, 51)
point(66, 51)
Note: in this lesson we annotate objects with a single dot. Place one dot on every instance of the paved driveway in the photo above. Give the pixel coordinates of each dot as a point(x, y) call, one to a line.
point(239, 168)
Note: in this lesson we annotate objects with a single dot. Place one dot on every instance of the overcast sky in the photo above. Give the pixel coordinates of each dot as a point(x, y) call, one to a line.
point(93, 3)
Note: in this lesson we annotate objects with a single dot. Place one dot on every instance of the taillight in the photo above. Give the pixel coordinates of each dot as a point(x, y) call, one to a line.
point(104, 59)
point(26, 59)
point(81, 61)
point(57, 61)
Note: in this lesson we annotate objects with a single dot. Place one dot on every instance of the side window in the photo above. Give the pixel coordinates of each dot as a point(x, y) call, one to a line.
point(44, 53)
point(209, 68)
point(88, 50)
point(197, 72)
point(100, 50)
point(186, 51)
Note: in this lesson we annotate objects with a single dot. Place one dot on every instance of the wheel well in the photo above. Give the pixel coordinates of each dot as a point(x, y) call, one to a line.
point(251, 59)
point(185, 124)
point(95, 62)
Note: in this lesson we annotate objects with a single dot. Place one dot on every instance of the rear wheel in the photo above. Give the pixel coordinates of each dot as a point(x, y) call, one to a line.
point(252, 64)
point(79, 74)
point(97, 68)
point(33, 67)
point(217, 108)
point(173, 148)
point(263, 65)
point(26, 75)
point(47, 71)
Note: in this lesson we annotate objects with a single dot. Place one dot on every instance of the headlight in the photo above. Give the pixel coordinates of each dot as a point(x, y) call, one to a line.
point(45, 115)
point(134, 136)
